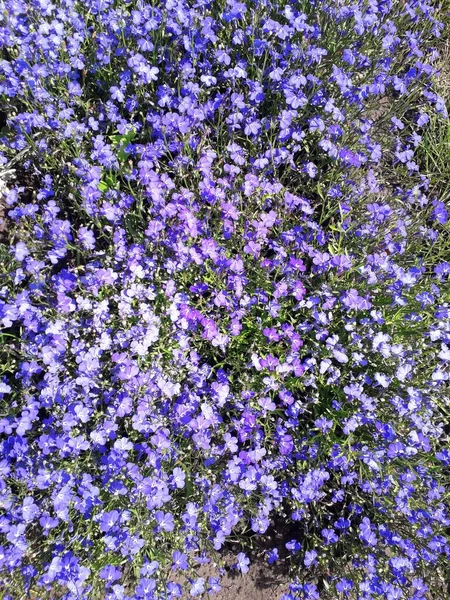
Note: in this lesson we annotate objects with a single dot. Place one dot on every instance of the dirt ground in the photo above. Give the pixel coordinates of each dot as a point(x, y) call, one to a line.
point(262, 582)
point(259, 583)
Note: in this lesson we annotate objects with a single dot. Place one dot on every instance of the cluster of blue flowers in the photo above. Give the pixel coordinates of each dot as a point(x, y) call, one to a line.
point(221, 304)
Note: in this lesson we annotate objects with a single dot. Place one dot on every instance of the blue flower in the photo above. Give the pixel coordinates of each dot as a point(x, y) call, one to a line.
point(310, 558)
point(110, 573)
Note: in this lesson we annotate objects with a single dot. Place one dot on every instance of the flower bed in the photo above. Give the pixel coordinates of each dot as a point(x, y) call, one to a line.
point(224, 297)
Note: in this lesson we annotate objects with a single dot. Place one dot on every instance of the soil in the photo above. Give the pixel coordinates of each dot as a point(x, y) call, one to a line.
point(262, 582)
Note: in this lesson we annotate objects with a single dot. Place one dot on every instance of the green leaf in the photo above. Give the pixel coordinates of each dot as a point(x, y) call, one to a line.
point(121, 142)
point(109, 182)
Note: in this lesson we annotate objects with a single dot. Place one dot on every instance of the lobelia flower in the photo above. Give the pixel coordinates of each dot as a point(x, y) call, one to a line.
point(242, 563)
point(310, 558)
point(198, 587)
point(110, 573)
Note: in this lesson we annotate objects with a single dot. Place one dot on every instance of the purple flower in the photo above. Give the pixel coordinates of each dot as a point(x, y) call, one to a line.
point(286, 444)
point(198, 587)
point(29, 509)
point(293, 546)
point(440, 212)
point(272, 556)
point(344, 586)
point(252, 128)
point(179, 477)
point(242, 563)
point(110, 573)
point(179, 561)
point(323, 424)
point(266, 403)
point(48, 523)
point(109, 520)
point(329, 536)
point(310, 558)
point(145, 588)
point(270, 362)
point(214, 585)
point(352, 300)
point(164, 520)
point(366, 533)
point(340, 356)
point(271, 334)
point(86, 238)
point(310, 169)
point(252, 248)
point(20, 251)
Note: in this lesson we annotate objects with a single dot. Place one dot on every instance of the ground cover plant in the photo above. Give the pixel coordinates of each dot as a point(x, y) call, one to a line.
point(224, 297)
